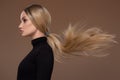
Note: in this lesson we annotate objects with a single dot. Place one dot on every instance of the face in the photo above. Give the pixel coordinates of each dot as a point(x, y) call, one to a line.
point(26, 27)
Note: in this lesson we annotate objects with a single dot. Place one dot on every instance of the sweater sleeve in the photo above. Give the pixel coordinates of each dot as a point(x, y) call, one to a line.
point(44, 63)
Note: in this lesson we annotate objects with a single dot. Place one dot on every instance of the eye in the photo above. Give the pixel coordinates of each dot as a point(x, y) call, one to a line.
point(24, 20)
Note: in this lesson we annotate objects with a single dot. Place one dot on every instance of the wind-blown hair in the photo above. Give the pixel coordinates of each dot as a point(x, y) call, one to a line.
point(74, 41)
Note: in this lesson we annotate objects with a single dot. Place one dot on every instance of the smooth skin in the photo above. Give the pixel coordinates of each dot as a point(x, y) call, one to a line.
point(27, 29)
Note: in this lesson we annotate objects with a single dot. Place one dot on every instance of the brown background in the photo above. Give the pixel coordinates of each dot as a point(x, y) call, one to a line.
point(102, 13)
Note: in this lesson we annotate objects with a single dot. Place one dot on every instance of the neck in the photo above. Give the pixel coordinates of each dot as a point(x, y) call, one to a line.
point(37, 35)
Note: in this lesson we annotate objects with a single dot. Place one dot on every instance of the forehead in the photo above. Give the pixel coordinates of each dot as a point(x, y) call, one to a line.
point(23, 14)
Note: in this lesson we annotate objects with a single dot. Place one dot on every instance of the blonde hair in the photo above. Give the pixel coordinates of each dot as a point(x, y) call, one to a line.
point(75, 41)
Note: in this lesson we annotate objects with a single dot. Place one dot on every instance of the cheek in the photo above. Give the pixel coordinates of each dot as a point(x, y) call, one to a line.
point(29, 29)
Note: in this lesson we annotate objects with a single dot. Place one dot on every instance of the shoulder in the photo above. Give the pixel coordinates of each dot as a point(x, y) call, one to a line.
point(44, 49)
point(44, 54)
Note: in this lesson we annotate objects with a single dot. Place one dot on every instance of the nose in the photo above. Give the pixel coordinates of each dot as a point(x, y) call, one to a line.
point(20, 26)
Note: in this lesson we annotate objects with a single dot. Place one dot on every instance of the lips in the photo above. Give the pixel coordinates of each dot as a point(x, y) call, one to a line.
point(21, 30)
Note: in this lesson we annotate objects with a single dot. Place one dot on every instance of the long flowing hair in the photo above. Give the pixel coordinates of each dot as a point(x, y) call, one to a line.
point(74, 41)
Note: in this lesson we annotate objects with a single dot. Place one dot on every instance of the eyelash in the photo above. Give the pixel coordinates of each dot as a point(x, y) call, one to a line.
point(24, 20)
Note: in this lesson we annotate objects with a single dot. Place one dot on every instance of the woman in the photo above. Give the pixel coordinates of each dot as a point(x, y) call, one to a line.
point(38, 64)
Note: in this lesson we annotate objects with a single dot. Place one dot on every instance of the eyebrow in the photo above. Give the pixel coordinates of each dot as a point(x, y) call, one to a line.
point(22, 18)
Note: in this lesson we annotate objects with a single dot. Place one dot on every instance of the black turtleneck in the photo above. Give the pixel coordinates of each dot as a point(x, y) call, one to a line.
point(38, 63)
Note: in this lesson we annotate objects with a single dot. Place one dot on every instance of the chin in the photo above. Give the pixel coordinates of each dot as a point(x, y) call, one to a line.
point(25, 35)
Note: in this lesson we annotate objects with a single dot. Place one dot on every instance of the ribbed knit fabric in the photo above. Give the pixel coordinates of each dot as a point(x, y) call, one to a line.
point(38, 63)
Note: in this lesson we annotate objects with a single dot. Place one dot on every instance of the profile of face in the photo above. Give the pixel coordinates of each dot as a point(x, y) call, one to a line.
point(26, 27)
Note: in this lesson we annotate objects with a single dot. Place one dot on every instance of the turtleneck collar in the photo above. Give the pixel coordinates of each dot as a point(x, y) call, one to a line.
point(38, 41)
